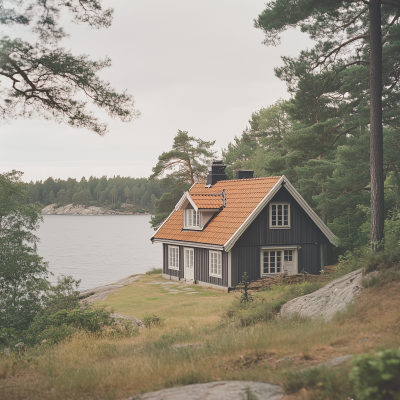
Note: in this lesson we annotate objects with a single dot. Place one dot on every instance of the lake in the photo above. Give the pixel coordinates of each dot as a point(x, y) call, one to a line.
point(98, 249)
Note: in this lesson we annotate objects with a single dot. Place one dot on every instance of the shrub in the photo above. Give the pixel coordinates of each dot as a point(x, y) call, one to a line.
point(154, 271)
point(260, 310)
point(377, 376)
point(152, 320)
point(246, 297)
point(54, 327)
point(323, 383)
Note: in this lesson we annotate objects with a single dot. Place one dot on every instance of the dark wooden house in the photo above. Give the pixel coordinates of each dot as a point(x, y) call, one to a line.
point(224, 228)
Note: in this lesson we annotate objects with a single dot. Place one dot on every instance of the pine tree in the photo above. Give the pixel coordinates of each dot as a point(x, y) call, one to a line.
point(42, 79)
point(187, 162)
point(333, 82)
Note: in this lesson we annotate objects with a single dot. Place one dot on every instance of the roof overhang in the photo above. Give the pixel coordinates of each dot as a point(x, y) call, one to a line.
point(189, 244)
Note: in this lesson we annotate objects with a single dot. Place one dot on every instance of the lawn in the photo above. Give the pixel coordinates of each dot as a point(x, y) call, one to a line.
point(177, 303)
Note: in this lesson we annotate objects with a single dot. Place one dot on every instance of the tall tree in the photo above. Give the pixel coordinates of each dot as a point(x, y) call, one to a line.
point(332, 82)
point(22, 272)
point(43, 79)
point(187, 161)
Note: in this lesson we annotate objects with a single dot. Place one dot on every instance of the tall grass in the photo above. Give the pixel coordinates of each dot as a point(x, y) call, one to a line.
point(261, 309)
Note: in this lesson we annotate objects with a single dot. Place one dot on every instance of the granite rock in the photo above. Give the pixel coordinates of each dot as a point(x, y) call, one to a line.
point(232, 390)
point(328, 300)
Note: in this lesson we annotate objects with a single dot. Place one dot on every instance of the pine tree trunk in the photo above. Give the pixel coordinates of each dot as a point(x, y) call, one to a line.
point(376, 134)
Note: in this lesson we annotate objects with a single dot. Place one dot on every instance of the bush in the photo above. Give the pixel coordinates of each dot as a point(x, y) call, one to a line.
point(54, 327)
point(259, 310)
point(152, 320)
point(92, 203)
point(154, 271)
point(323, 383)
point(377, 376)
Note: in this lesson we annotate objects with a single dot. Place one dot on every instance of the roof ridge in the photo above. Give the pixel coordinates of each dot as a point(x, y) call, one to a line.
point(247, 179)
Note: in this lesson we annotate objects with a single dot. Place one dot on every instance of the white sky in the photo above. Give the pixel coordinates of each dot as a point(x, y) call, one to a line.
point(191, 65)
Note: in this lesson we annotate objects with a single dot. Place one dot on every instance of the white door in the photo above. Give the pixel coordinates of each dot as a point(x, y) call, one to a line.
point(189, 264)
point(289, 262)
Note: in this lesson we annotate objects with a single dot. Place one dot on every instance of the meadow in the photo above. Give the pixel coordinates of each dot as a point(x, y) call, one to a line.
point(105, 367)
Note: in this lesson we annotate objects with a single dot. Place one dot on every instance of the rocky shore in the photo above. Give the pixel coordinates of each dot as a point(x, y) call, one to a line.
point(70, 209)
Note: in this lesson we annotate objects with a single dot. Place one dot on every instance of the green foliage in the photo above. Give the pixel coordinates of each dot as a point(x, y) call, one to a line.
point(22, 272)
point(246, 296)
point(43, 79)
point(259, 310)
point(60, 325)
point(154, 271)
point(325, 384)
point(139, 192)
point(377, 376)
point(152, 320)
point(187, 162)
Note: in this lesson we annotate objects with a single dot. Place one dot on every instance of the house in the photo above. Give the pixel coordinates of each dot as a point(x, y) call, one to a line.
point(224, 228)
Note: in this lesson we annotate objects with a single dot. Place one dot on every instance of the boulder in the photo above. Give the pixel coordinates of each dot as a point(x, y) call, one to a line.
point(325, 302)
point(232, 390)
point(134, 321)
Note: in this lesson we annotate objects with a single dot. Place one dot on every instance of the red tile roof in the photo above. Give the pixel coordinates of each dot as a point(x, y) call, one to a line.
point(242, 197)
point(204, 201)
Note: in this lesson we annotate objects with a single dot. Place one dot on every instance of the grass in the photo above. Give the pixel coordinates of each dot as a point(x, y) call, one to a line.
point(88, 367)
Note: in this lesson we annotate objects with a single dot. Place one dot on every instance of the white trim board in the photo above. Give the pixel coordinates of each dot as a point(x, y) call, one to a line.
point(190, 244)
point(169, 216)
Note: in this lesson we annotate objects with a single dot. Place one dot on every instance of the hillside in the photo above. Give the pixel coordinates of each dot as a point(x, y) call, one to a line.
point(226, 344)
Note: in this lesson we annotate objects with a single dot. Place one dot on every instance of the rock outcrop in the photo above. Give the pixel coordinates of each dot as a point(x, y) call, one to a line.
point(70, 209)
point(100, 293)
point(232, 390)
point(328, 300)
point(136, 322)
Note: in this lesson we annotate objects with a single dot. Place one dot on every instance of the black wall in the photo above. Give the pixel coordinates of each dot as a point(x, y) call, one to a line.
point(303, 232)
point(201, 266)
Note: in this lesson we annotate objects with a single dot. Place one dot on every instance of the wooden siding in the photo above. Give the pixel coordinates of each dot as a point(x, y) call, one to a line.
point(303, 232)
point(201, 266)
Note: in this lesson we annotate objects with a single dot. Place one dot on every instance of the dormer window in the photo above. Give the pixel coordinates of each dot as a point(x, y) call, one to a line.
point(279, 215)
point(192, 218)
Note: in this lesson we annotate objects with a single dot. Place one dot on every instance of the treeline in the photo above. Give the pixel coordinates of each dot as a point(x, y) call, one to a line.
point(329, 167)
point(141, 193)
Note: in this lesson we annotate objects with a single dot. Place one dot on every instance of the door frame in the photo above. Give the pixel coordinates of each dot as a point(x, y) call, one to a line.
point(279, 248)
point(184, 262)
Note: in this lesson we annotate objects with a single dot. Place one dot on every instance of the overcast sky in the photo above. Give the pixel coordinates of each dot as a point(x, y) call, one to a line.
point(191, 65)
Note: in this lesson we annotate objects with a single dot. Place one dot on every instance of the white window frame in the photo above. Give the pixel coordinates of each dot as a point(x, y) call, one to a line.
point(275, 255)
point(288, 226)
point(216, 272)
point(187, 211)
point(282, 249)
point(173, 249)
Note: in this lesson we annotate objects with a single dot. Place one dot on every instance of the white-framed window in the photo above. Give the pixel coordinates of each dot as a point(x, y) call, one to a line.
point(288, 255)
point(272, 261)
point(279, 215)
point(215, 264)
point(173, 257)
point(192, 219)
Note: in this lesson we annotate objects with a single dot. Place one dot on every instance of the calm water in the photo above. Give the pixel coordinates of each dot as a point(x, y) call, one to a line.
point(98, 249)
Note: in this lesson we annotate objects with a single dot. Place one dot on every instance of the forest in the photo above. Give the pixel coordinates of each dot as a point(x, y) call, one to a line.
point(141, 193)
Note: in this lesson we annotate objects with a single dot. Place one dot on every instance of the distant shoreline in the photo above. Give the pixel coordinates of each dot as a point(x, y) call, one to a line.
point(70, 209)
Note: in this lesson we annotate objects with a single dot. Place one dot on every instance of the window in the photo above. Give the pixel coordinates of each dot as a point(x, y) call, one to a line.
point(288, 255)
point(216, 264)
point(192, 218)
point(173, 256)
point(279, 215)
point(272, 261)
